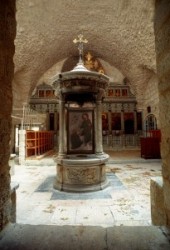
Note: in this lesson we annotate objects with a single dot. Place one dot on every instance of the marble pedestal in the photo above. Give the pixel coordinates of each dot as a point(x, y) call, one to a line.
point(81, 173)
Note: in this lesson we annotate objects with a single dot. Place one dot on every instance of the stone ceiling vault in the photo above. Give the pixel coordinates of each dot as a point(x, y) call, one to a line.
point(119, 32)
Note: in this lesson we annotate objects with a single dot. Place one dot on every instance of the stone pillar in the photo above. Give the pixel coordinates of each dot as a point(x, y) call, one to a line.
point(7, 36)
point(22, 152)
point(157, 201)
point(98, 129)
point(55, 128)
point(14, 186)
point(162, 46)
point(16, 139)
point(61, 129)
point(12, 164)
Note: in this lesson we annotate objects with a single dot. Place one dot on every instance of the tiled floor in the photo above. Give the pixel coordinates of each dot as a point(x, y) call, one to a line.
point(125, 202)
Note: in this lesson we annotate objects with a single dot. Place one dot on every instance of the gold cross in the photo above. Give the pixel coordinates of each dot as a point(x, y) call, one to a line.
point(80, 39)
point(80, 42)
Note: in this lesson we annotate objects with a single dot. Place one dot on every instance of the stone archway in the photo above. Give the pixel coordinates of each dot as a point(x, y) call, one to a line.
point(7, 36)
point(162, 44)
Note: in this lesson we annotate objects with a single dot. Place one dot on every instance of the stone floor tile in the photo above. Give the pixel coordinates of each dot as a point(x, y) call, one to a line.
point(64, 216)
point(128, 201)
point(132, 223)
point(40, 215)
point(93, 215)
point(40, 198)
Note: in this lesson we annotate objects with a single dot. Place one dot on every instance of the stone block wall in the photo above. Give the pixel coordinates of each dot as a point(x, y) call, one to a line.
point(7, 36)
point(157, 201)
point(162, 43)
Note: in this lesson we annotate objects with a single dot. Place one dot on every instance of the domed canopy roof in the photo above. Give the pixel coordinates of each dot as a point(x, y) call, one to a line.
point(80, 80)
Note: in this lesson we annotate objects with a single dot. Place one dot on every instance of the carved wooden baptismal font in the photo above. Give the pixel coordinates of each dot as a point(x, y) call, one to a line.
point(81, 160)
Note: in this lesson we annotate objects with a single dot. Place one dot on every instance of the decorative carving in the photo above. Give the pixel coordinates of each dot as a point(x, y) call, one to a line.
point(93, 85)
point(82, 175)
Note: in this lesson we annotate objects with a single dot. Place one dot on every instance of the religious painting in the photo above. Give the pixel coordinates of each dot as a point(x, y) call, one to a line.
point(80, 131)
point(129, 123)
point(48, 93)
point(41, 93)
point(116, 121)
point(110, 92)
point(124, 92)
point(105, 124)
point(117, 92)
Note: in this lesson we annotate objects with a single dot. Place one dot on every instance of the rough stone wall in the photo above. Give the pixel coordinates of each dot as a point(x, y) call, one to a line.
point(151, 98)
point(119, 32)
point(7, 35)
point(162, 39)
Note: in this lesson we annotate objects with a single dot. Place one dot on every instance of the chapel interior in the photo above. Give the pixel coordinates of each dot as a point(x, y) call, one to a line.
point(125, 43)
